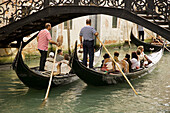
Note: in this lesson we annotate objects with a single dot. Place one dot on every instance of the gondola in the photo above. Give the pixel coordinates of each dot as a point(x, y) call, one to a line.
point(98, 78)
point(33, 78)
point(147, 47)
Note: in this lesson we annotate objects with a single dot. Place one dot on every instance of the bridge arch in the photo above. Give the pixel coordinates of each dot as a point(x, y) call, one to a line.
point(58, 14)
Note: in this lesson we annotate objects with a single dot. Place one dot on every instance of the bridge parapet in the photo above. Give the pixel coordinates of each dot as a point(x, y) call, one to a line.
point(13, 10)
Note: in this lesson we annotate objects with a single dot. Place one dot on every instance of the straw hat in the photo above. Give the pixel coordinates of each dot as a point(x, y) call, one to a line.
point(140, 47)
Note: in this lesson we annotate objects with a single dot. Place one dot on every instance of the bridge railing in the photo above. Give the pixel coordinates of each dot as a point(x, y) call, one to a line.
point(13, 10)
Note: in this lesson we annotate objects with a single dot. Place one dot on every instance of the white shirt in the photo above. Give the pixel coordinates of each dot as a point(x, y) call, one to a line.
point(135, 63)
point(140, 28)
point(65, 68)
point(49, 64)
point(142, 56)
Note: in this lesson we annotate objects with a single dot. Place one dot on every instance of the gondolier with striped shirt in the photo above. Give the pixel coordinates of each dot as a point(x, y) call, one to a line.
point(43, 38)
point(87, 34)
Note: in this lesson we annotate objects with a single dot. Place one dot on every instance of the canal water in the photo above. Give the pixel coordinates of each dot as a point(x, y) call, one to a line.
point(78, 97)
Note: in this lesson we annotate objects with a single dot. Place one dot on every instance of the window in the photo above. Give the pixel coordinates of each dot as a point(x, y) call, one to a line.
point(65, 24)
point(114, 22)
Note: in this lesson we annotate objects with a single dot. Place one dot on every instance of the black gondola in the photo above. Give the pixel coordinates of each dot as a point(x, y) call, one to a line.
point(147, 47)
point(98, 78)
point(33, 78)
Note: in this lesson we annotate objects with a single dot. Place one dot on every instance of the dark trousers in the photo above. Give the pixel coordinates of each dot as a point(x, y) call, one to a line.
point(88, 48)
point(42, 59)
point(141, 33)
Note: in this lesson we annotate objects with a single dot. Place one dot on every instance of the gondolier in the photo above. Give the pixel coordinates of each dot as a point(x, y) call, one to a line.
point(141, 32)
point(87, 34)
point(43, 38)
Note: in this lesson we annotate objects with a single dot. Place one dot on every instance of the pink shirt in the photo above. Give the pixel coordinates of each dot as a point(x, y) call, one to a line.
point(43, 40)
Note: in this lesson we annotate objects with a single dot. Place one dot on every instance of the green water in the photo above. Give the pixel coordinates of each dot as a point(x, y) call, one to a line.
point(77, 97)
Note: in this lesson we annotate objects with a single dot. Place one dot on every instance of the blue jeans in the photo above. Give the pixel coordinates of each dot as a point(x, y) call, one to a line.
point(88, 48)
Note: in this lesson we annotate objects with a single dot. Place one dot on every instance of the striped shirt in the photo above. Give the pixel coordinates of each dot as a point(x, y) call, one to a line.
point(43, 40)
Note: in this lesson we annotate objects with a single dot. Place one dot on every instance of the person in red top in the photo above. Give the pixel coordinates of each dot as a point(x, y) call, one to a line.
point(43, 38)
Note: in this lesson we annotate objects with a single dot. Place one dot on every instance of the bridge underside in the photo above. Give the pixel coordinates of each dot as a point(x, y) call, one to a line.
point(56, 15)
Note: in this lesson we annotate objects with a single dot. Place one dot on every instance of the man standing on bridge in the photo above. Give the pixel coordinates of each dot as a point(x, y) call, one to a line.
point(43, 38)
point(87, 33)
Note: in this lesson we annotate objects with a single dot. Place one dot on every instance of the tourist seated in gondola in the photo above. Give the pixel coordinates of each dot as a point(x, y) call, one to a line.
point(140, 57)
point(115, 69)
point(127, 58)
point(105, 66)
point(143, 57)
point(160, 39)
point(116, 55)
point(63, 66)
point(59, 56)
point(49, 62)
point(122, 64)
point(135, 62)
point(157, 41)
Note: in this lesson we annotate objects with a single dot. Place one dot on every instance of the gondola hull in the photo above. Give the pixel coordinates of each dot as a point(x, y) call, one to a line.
point(98, 78)
point(147, 47)
point(35, 79)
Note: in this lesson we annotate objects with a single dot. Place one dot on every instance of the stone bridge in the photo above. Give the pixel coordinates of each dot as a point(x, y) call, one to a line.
point(20, 18)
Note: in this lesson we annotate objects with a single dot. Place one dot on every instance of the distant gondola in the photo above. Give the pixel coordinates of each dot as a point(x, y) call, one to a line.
point(98, 78)
point(147, 47)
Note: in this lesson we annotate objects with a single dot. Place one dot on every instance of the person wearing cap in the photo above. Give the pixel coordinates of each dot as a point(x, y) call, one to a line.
point(87, 42)
point(49, 62)
point(43, 38)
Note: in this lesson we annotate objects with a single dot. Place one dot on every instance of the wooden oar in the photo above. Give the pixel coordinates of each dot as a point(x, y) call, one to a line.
point(60, 41)
point(49, 85)
point(51, 76)
point(118, 66)
point(158, 41)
